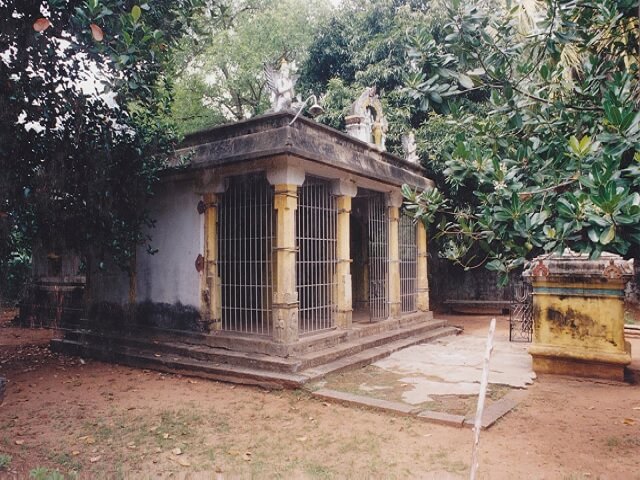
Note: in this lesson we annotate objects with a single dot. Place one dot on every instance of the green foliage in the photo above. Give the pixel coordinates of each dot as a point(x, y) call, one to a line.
point(5, 461)
point(43, 473)
point(555, 162)
point(364, 45)
point(220, 69)
point(84, 99)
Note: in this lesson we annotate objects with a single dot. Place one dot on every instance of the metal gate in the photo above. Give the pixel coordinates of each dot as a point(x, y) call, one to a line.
point(408, 263)
point(245, 242)
point(521, 312)
point(316, 242)
point(378, 257)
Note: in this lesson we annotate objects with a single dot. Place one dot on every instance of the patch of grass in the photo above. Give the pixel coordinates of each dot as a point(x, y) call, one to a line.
point(65, 460)
point(318, 471)
point(629, 318)
point(441, 458)
point(43, 473)
point(613, 442)
point(5, 461)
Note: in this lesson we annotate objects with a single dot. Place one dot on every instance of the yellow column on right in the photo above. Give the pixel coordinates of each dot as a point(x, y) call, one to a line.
point(345, 190)
point(394, 202)
point(422, 300)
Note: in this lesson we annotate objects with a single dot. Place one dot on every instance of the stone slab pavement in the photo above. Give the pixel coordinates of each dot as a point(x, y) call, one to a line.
point(448, 366)
point(453, 366)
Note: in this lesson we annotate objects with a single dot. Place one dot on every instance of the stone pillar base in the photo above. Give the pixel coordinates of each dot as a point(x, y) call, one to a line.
point(580, 363)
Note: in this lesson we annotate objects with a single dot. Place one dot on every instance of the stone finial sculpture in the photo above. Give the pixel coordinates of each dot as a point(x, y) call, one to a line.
point(410, 148)
point(280, 83)
point(366, 121)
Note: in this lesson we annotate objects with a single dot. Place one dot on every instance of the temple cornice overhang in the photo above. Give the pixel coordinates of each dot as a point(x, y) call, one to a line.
point(271, 136)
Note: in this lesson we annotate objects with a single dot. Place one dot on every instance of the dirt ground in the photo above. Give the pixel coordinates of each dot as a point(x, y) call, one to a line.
point(92, 420)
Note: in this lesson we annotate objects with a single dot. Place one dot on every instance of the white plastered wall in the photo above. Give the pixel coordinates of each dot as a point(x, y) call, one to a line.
point(170, 276)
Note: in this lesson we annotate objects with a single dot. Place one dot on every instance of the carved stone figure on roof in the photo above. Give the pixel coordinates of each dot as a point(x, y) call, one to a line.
point(366, 121)
point(410, 148)
point(280, 83)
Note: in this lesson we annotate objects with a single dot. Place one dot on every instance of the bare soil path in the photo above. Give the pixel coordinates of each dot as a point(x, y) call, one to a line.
point(93, 420)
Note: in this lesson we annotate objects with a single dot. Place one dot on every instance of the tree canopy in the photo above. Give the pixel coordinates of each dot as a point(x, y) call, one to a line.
point(219, 67)
point(525, 114)
point(555, 162)
point(84, 98)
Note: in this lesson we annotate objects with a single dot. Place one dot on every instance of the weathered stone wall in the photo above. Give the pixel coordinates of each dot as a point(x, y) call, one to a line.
point(632, 292)
point(448, 281)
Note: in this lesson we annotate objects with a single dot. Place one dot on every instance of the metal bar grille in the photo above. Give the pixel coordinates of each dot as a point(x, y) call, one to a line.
point(316, 242)
point(521, 312)
point(408, 263)
point(378, 257)
point(245, 244)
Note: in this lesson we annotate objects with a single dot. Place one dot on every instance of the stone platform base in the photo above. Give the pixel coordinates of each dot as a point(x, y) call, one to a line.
point(589, 364)
point(575, 368)
point(215, 358)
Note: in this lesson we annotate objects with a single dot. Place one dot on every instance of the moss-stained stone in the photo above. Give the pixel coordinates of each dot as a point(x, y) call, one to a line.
point(578, 308)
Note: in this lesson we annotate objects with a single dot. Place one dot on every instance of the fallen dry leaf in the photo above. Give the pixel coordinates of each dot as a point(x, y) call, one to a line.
point(629, 421)
point(90, 440)
point(176, 451)
point(96, 32)
point(75, 452)
point(95, 459)
point(41, 25)
point(19, 442)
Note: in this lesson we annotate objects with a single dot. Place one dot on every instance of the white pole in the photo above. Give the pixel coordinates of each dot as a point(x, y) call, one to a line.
point(481, 396)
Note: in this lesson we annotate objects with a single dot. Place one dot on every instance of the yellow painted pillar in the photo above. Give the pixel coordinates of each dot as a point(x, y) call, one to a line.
point(285, 296)
point(395, 306)
point(345, 190)
point(285, 180)
point(343, 269)
point(422, 300)
point(211, 297)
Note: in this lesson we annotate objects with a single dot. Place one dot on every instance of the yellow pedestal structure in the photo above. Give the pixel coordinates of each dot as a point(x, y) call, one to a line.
point(578, 315)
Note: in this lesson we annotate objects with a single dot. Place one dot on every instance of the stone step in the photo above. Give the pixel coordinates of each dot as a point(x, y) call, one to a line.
point(359, 344)
point(169, 361)
point(205, 353)
point(173, 344)
point(375, 353)
point(182, 365)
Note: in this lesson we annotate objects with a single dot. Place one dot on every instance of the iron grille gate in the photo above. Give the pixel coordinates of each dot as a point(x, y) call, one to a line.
point(316, 242)
point(378, 257)
point(245, 240)
point(521, 312)
point(408, 263)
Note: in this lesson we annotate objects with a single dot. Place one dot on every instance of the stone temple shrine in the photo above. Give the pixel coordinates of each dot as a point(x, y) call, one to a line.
point(283, 253)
